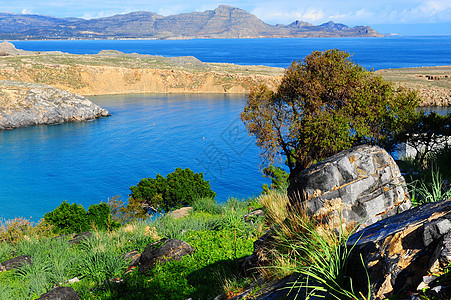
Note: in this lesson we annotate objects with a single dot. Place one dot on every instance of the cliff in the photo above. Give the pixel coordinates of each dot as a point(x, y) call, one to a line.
point(113, 72)
point(222, 22)
point(25, 104)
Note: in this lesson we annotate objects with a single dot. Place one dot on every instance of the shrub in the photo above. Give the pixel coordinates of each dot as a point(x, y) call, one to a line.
point(179, 189)
point(70, 218)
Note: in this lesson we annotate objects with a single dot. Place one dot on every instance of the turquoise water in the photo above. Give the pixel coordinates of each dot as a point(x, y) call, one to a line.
point(90, 162)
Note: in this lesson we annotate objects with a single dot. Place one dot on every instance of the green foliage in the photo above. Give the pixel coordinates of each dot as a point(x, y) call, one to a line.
point(320, 257)
point(429, 191)
point(70, 218)
point(325, 104)
point(181, 188)
point(99, 263)
point(426, 133)
point(279, 178)
point(207, 205)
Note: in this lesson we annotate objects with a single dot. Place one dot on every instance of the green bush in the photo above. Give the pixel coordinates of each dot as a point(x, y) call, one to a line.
point(179, 189)
point(73, 218)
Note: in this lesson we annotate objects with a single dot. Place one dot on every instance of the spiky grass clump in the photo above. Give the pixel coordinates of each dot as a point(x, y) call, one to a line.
point(308, 246)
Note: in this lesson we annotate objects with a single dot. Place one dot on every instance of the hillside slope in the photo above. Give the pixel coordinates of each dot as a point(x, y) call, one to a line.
point(223, 22)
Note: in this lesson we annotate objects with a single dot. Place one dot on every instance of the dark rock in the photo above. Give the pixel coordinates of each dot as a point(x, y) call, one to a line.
point(60, 293)
point(132, 257)
point(253, 214)
point(259, 257)
point(78, 238)
point(359, 185)
point(162, 251)
point(400, 250)
point(15, 263)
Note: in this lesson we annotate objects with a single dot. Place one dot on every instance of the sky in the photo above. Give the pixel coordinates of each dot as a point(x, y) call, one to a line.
point(405, 17)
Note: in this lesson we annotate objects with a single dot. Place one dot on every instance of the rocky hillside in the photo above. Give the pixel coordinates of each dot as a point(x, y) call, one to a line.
point(25, 104)
point(113, 72)
point(223, 22)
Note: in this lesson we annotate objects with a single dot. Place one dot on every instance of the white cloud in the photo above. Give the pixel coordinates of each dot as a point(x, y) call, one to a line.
point(27, 11)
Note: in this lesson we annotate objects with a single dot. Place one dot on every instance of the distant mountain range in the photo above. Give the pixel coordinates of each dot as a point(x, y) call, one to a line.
point(223, 22)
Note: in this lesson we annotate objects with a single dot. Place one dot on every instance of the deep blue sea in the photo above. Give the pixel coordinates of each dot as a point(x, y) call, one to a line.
point(89, 162)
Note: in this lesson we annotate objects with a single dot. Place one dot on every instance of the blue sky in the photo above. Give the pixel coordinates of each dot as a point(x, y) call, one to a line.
point(408, 17)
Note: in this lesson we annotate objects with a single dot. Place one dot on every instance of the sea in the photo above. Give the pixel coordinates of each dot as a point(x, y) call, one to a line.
point(149, 134)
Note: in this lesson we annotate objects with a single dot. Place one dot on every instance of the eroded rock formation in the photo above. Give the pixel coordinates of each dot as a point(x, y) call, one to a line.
point(400, 250)
point(363, 183)
point(25, 104)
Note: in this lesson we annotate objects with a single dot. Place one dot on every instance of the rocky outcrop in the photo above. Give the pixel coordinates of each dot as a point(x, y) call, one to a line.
point(400, 251)
point(359, 185)
point(163, 251)
point(25, 104)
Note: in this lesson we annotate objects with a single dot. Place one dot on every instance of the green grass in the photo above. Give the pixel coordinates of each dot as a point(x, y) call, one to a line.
point(218, 233)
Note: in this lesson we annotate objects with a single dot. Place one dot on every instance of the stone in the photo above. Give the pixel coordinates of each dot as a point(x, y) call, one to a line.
point(78, 238)
point(180, 213)
point(361, 185)
point(399, 251)
point(132, 257)
point(15, 263)
point(60, 293)
point(162, 251)
point(253, 215)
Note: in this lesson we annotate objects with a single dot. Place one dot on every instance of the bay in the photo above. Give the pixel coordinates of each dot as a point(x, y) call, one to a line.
point(89, 162)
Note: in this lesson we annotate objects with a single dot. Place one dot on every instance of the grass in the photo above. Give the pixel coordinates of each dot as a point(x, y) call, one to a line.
point(308, 247)
point(219, 234)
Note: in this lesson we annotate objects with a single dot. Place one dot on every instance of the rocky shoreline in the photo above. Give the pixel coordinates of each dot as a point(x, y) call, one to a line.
point(25, 104)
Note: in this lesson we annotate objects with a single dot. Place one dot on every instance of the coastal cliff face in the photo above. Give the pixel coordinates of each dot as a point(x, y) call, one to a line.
point(25, 104)
point(113, 72)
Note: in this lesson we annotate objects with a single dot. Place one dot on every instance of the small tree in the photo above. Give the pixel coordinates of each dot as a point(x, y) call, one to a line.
point(180, 188)
point(325, 104)
point(427, 133)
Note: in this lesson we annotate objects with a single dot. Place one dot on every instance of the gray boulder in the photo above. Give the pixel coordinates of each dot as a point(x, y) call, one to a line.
point(361, 184)
point(25, 104)
point(60, 293)
point(162, 251)
point(400, 251)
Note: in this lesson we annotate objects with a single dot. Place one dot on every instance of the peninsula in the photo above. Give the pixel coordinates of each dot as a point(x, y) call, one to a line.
point(114, 72)
point(222, 22)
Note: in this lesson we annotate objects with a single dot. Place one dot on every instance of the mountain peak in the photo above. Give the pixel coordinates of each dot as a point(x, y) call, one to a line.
point(223, 22)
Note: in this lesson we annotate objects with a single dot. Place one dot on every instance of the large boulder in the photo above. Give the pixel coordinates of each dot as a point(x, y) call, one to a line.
point(359, 185)
point(162, 251)
point(400, 251)
point(60, 293)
